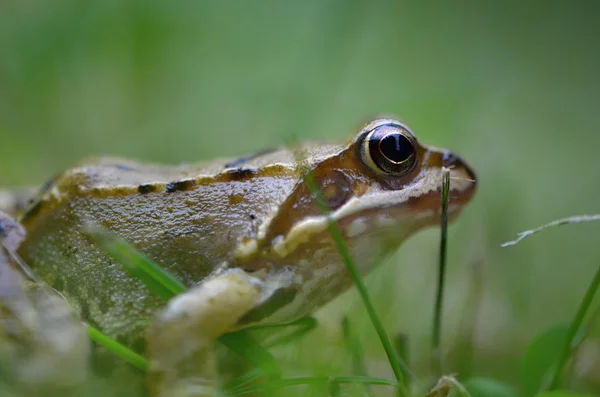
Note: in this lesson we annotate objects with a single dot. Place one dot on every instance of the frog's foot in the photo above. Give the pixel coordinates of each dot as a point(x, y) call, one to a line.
point(180, 342)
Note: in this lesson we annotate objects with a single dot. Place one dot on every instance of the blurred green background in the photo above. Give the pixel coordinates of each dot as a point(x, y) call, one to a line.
point(513, 87)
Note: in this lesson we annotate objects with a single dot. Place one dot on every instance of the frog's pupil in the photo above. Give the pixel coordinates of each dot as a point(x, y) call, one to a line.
point(396, 147)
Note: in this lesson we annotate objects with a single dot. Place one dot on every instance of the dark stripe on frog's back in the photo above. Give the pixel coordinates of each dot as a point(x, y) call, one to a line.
point(82, 185)
point(180, 186)
point(134, 178)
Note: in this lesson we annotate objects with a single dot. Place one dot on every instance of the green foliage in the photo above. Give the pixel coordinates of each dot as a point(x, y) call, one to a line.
point(246, 346)
point(574, 328)
point(118, 349)
point(540, 358)
point(439, 295)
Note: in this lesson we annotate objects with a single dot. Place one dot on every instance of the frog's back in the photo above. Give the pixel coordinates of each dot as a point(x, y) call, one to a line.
point(186, 218)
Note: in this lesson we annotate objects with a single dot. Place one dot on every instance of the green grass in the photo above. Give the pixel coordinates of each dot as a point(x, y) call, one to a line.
point(439, 296)
point(118, 349)
point(569, 340)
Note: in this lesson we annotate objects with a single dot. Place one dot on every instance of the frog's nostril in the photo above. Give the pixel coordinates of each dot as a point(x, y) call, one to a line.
point(460, 169)
point(449, 159)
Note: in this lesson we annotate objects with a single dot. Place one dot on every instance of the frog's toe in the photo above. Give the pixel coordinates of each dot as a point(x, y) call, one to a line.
point(180, 341)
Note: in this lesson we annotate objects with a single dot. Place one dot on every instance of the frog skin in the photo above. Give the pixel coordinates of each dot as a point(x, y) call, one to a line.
point(246, 237)
point(44, 347)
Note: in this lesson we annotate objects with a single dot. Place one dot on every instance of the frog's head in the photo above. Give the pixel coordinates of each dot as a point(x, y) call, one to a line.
point(380, 188)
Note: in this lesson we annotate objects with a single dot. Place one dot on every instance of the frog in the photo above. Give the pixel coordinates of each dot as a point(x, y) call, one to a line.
point(246, 236)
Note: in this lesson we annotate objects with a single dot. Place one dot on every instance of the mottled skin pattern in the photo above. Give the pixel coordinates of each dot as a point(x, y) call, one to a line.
point(188, 232)
point(38, 329)
point(246, 231)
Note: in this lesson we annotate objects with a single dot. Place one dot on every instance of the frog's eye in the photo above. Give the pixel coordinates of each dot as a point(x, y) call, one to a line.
point(389, 149)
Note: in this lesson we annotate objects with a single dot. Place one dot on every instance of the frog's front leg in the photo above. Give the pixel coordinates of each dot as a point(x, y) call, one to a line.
point(181, 339)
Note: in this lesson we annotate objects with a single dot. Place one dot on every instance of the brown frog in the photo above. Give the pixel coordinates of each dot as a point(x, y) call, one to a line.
point(245, 235)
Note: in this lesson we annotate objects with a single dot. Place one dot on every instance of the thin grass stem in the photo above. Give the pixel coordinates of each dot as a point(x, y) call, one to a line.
point(338, 238)
point(157, 279)
point(401, 346)
point(439, 295)
point(115, 347)
point(573, 329)
point(354, 347)
point(237, 383)
point(558, 222)
point(306, 321)
point(299, 328)
point(581, 335)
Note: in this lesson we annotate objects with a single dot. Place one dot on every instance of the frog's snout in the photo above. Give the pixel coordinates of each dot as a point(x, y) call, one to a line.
point(463, 177)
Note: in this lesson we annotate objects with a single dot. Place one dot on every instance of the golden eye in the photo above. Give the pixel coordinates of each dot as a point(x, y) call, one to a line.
point(389, 149)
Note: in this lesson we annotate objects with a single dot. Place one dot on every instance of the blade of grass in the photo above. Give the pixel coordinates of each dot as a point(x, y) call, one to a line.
point(247, 347)
point(574, 328)
point(306, 321)
point(463, 350)
point(115, 347)
point(342, 248)
point(581, 336)
point(302, 327)
point(355, 350)
point(558, 222)
point(158, 280)
point(401, 346)
point(166, 286)
point(338, 238)
point(242, 380)
point(439, 295)
point(335, 389)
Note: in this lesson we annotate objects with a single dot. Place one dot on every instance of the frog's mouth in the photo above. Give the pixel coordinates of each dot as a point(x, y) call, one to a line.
point(463, 185)
point(402, 219)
